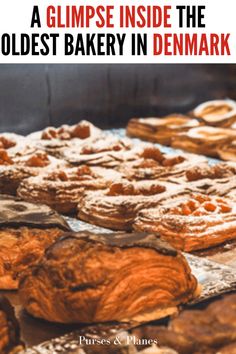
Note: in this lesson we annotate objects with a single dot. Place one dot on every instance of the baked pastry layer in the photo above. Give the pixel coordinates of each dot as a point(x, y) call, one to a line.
point(193, 223)
point(14, 170)
point(160, 130)
point(55, 140)
point(62, 189)
point(217, 112)
point(228, 151)
point(119, 211)
point(204, 140)
point(98, 278)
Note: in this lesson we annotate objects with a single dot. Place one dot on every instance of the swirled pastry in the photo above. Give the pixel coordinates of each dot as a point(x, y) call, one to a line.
point(90, 278)
point(25, 231)
point(217, 112)
point(193, 223)
point(204, 140)
point(160, 130)
point(118, 210)
point(14, 170)
point(63, 188)
point(9, 329)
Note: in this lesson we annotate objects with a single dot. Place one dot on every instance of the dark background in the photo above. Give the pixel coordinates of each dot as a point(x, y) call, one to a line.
point(35, 96)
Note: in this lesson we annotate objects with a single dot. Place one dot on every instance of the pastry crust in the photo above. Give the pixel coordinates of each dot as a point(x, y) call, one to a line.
point(25, 231)
point(55, 140)
point(106, 151)
point(227, 152)
point(89, 278)
point(151, 164)
point(193, 223)
point(119, 212)
point(160, 130)
point(14, 170)
point(204, 140)
point(217, 112)
point(63, 188)
point(217, 171)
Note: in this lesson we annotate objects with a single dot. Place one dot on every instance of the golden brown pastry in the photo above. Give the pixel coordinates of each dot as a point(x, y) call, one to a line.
point(217, 112)
point(63, 188)
point(14, 170)
point(228, 151)
point(9, 329)
point(193, 223)
point(160, 130)
point(118, 210)
point(88, 278)
point(204, 140)
point(25, 231)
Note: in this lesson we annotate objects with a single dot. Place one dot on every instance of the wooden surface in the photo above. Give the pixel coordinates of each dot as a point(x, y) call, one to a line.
point(34, 96)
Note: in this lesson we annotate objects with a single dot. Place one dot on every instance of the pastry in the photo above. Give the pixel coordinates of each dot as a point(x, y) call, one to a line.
point(151, 163)
point(216, 112)
point(193, 223)
point(204, 140)
point(228, 151)
point(55, 140)
point(25, 231)
point(14, 170)
point(160, 130)
point(217, 171)
point(225, 187)
point(118, 211)
point(63, 188)
point(210, 330)
point(89, 278)
point(9, 329)
point(106, 151)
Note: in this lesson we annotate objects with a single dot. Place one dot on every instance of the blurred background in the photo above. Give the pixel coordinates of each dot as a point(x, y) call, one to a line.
point(35, 96)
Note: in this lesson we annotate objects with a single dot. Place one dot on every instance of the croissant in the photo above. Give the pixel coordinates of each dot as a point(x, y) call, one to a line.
point(25, 231)
point(195, 223)
point(88, 278)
